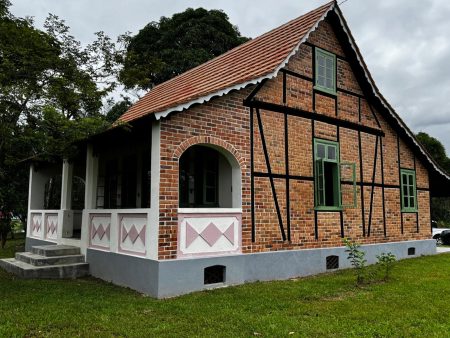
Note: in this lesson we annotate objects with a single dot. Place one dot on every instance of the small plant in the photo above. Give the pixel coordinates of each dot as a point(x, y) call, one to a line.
point(386, 260)
point(357, 259)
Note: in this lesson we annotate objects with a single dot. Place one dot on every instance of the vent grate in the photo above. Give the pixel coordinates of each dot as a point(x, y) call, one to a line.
point(332, 262)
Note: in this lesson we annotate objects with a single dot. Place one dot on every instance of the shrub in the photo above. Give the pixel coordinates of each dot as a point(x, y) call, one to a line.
point(357, 259)
point(386, 260)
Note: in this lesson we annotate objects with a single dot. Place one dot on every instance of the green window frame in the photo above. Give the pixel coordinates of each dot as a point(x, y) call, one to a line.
point(325, 72)
point(328, 182)
point(408, 190)
point(326, 175)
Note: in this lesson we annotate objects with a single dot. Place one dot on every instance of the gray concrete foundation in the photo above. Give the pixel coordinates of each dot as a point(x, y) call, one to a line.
point(169, 278)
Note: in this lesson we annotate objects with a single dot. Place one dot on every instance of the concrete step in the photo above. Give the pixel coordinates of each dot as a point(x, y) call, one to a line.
point(38, 260)
point(55, 250)
point(58, 271)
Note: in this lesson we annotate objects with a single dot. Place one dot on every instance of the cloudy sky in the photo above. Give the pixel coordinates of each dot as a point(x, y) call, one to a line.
point(405, 43)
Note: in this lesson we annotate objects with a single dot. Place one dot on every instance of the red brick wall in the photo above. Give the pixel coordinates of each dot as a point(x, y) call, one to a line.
point(225, 121)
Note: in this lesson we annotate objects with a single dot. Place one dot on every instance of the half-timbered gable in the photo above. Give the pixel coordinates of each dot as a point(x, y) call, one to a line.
point(291, 104)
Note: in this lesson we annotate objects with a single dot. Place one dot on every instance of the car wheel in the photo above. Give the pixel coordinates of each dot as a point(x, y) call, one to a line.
point(438, 240)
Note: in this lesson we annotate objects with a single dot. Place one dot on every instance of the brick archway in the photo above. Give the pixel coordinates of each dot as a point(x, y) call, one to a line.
point(208, 140)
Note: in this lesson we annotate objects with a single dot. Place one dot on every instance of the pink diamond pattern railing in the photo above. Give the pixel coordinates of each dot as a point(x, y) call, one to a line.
point(133, 234)
point(100, 231)
point(52, 227)
point(211, 234)
point(36, 226)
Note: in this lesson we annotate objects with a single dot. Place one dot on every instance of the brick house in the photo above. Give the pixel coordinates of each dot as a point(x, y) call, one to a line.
point(252, 166)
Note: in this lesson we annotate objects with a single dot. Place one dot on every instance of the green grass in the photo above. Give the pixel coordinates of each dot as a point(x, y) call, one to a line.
point(415, 303)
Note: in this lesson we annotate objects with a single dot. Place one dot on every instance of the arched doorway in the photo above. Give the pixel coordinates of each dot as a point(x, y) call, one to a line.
point(209, 177)
point(210, 203)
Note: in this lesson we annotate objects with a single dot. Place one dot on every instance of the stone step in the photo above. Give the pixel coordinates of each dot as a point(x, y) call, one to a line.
point(55, 250)
point(38, 260)
point(59, 271)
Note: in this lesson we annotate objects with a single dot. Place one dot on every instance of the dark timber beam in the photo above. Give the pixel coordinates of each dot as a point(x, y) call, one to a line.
point(373, 187)
point(269, 171)
point(252, 178)
point(312, 116)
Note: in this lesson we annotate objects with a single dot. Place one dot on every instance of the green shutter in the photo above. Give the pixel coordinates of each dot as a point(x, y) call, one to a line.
point(408, 190)
point(320, 182)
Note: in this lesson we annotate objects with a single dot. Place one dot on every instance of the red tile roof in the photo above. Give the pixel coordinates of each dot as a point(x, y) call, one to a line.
point(236, 68)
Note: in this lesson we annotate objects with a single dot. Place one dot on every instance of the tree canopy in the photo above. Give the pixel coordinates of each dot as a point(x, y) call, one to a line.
point(440, 211)
point(51, 92)
point(164, 49)
point(436, 149)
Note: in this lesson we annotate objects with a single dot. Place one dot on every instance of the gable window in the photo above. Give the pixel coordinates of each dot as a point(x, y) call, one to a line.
point(325, 71)
point(335, 181)
point(408, 184)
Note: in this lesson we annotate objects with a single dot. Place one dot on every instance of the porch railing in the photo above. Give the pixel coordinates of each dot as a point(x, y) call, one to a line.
point(118, 230)
point(209, 231)
point(45, 224)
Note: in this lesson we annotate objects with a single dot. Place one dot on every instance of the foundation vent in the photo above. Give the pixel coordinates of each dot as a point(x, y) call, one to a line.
point(411, 251)
point(332, 262)
point(214, 274)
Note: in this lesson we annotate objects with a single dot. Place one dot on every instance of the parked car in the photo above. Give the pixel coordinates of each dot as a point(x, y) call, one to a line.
point(438, 232)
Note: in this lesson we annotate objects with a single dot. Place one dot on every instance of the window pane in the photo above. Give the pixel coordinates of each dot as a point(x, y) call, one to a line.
point(210, 178)
point(210, 195)
point(404, 179)
point(411, 190)
point(321, 71)
point(321, 60)
point(329, 83)
point(410, 179)
point(329, 73)
point(331, 152)
point(405, 202)
point(329, 62)
point(405, 190)
point(411, 202)
point(320, 151)
point(321, 81)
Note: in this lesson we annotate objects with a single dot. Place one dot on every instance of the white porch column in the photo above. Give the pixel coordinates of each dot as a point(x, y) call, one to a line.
point(153, 222)
point(66, 188)
point(66, 221)
point(91, 178)
point(90, 195)
point(36, 189)
point(36, 192)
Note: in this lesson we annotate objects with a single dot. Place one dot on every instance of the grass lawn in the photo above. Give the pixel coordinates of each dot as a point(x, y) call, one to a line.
point(416, 302)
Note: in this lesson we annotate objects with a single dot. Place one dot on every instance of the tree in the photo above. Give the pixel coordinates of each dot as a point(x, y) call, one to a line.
point(436, 149)
point(115, 110)
point(164, 49)
point(440, 211)
point(51, 94)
